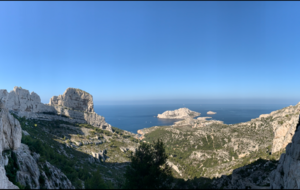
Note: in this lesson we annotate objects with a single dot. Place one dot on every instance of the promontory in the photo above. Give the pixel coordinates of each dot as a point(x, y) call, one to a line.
point(181, 113)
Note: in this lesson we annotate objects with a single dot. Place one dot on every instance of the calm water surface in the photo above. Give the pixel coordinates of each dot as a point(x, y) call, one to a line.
point(135, 117)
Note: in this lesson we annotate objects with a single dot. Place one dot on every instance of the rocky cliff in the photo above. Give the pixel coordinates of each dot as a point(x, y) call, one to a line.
point(75, 99)
point(10, 138)
point(74, 106)
point(23, 164)
point(287, 173)
point(181, 113)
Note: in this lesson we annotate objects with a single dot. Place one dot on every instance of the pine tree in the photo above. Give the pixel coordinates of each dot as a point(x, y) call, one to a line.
point(148, 168)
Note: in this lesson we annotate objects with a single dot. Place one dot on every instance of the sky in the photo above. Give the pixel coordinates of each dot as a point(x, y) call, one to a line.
point(153, 51)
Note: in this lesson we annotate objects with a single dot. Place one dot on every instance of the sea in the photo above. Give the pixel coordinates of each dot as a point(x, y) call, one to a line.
point(135, 117)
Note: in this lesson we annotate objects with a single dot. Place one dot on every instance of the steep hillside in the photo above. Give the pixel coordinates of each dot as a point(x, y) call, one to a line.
point(63, 147)
point(209, 148)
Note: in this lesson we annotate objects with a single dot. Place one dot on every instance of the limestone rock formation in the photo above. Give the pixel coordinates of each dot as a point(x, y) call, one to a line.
point(211, 112)
point(181, 113)
point(74, 106)
point(287, 173)
point(10, 138)
point(29, 172)
point(10, 131)
point(75, 99)
point(21, 101)
point(100, 155)
point(4, 182)
point(56, 179)
point(284, 128)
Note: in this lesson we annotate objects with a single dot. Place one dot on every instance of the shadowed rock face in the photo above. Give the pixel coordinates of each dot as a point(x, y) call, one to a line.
point(75, 99)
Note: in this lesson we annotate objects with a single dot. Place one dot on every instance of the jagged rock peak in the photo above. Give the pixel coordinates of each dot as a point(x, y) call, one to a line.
point(181, 113)
point(74, 98)
point(20, 100)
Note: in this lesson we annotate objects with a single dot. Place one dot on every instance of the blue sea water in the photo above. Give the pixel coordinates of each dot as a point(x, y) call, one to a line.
point(135, 117)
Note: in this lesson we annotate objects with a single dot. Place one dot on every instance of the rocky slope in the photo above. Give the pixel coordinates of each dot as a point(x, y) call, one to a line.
point(10, 139)
point(287, 174)
point(68, 145)
point(181, 113)
point(22, 165)
point(209, 148)
point(80, 109)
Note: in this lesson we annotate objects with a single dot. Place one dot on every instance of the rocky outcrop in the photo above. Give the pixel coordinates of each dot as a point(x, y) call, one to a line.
point(20, 100)
point(10, 131)
point(29, 171)
point(4, 182)
point(75, 99)
point(211, 112)
point(10, 138)
point(55, 178)
point(285, 127)
point(74, 106)
point(30, 174)
point(287, 173)
point(252, 176)
point(181, 113)
point(101, 155)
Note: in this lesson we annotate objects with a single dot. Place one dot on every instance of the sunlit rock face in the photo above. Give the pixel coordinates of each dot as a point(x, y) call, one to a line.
point(76, 104)
point(287, 174)
point(10, 139)
point(75, 99)
point(10, 131)
point(20, 100)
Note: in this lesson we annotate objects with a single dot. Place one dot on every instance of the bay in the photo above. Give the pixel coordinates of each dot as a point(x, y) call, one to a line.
point(135, 117)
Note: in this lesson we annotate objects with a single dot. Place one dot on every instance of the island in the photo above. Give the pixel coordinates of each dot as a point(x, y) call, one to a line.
point(181, 113)
point(211, 112)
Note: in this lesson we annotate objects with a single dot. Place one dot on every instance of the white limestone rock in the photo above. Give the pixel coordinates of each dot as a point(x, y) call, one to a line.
point(4, 182)
point(57, 179)
point(75, 104)
point(181, 113)
point(211, 112)
point(20, 100)
point(100, 155)
point(29, 171)
point(74, 98)
point(10, 131)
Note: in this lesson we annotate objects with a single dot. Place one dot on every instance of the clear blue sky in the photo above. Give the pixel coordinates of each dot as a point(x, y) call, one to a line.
point(127, 51)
